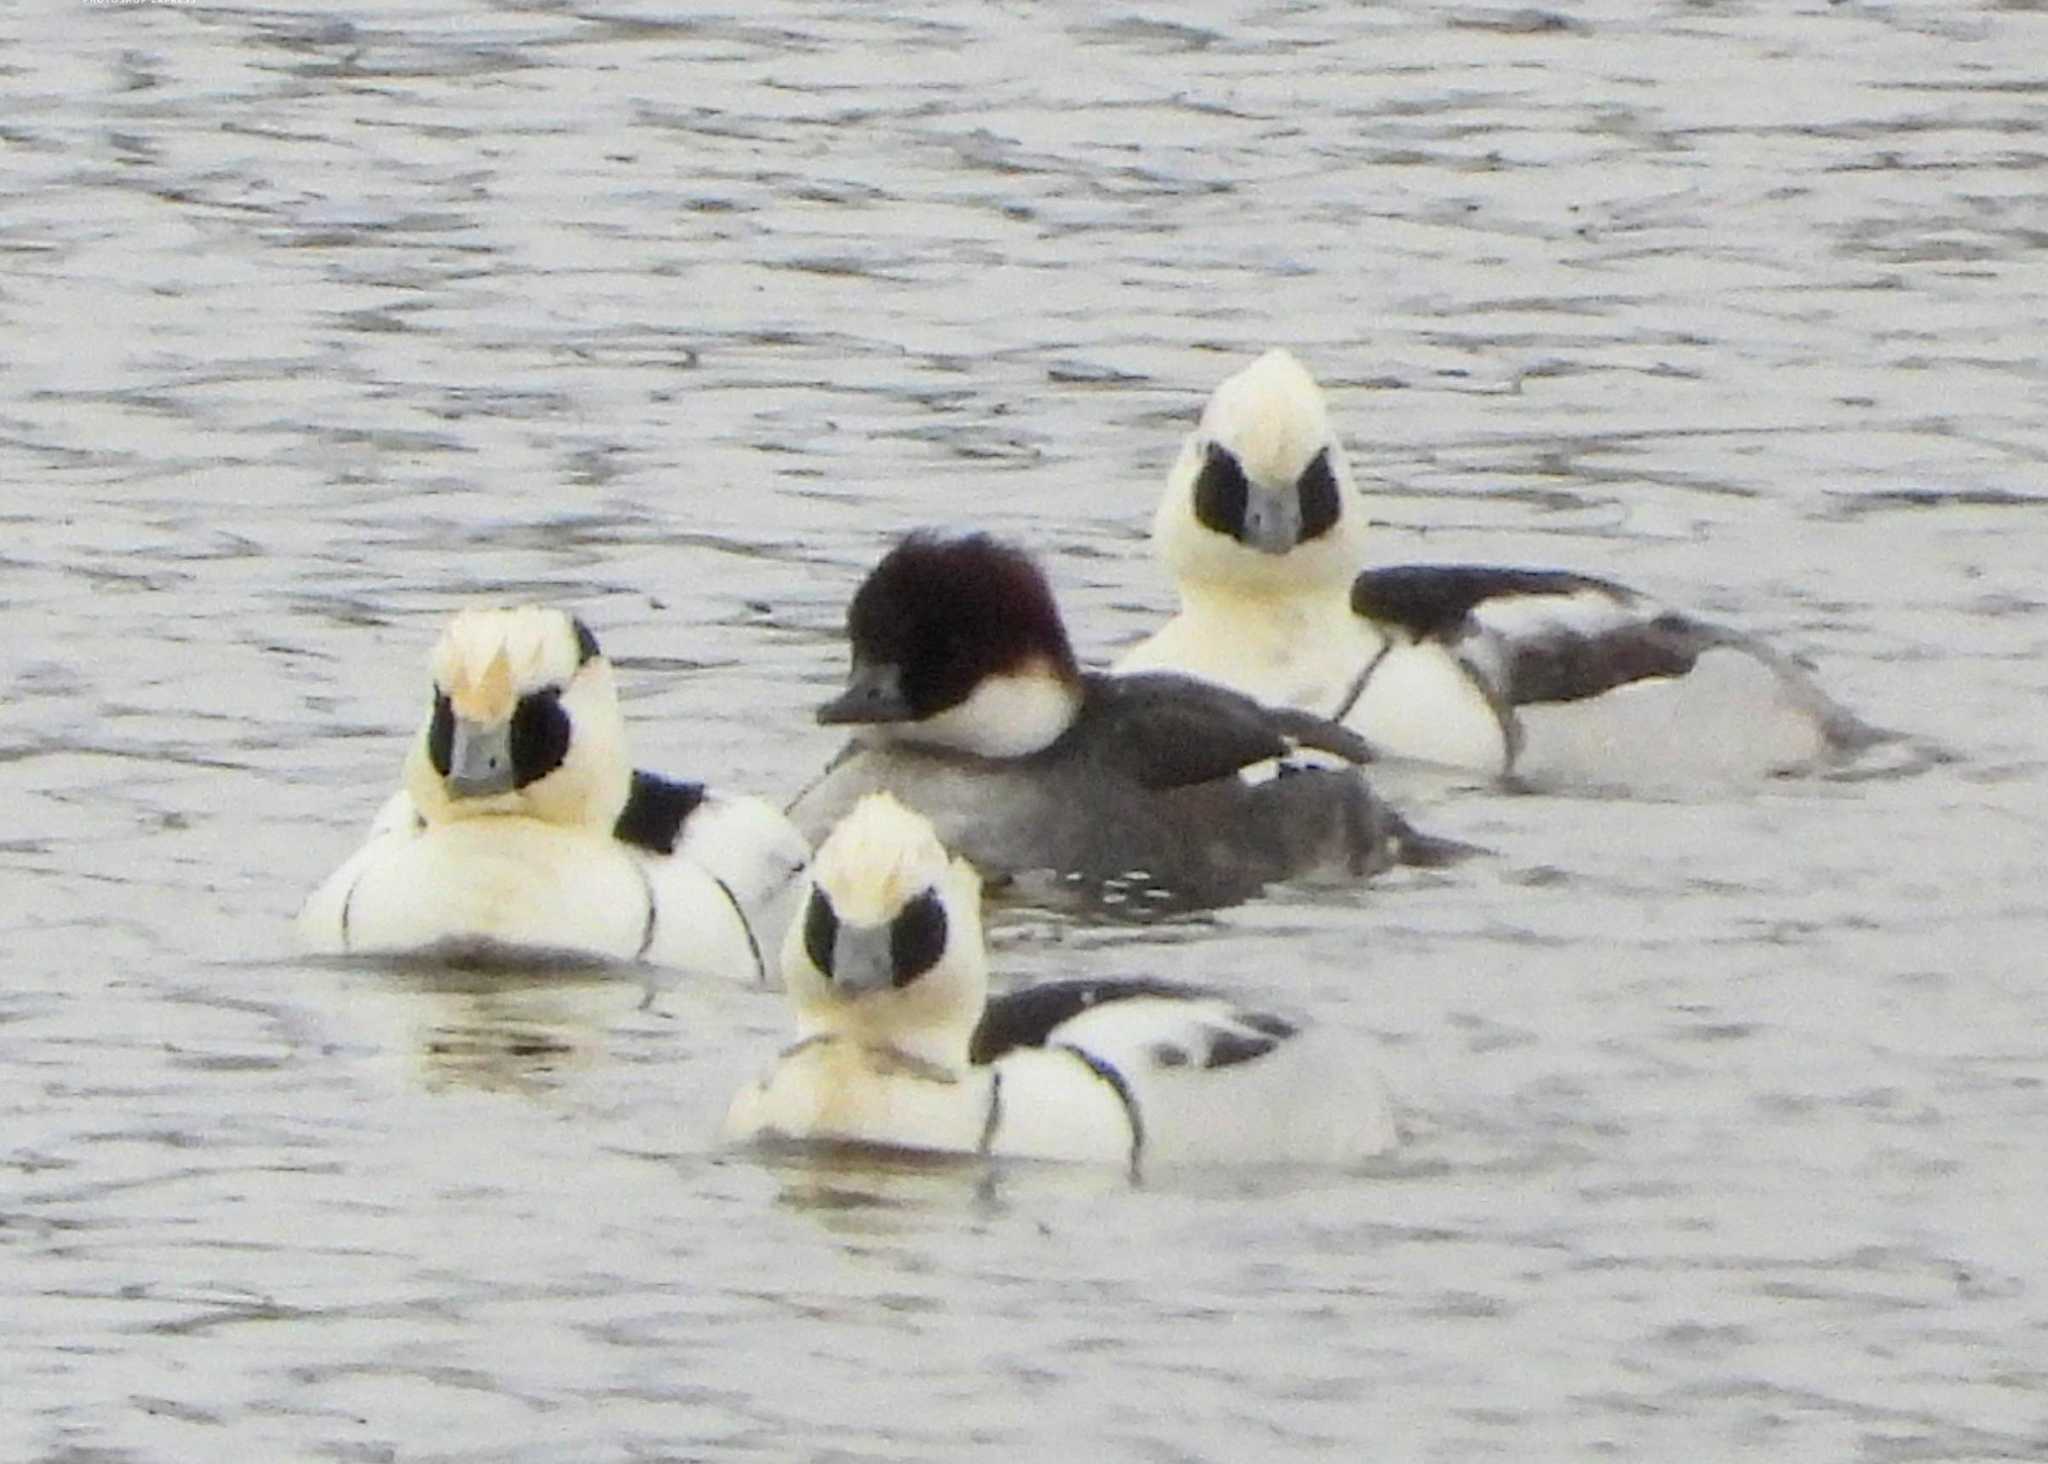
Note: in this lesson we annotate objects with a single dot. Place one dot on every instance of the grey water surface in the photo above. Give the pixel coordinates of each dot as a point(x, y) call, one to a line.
point(1726, 1119)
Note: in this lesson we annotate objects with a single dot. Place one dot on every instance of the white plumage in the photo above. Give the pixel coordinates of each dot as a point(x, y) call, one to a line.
point(522, 829)
point(1556, 677)
point(899, 1044)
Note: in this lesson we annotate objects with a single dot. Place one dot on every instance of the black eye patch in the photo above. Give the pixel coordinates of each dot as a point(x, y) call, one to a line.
point(1268, 1032)
point(441, 733)
point(917, 937)
point(540, 735)
point(1317, 486)
point(821, 931)
point(1220, 491)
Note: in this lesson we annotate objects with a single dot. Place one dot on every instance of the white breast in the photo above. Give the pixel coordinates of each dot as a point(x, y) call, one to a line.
point(839, 1091)
point(1054, 1105)
point(524, 885)
point(1312, 653)
point(1292, 651)
point(1033, 1104)
point(1122, 1084)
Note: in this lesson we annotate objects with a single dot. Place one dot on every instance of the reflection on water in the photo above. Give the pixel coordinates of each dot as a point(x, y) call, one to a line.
point(1721, 1113)
point(486, 1027)
point(854, 1190)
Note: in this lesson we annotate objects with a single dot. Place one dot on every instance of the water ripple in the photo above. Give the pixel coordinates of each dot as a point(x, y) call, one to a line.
point(1719, 1111)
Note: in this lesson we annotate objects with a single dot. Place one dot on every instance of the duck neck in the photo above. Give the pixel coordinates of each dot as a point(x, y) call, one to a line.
point(1287, 612)
point(932, 1054)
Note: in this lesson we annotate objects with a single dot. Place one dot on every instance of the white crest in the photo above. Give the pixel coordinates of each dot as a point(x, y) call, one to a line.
point(488, 658)
point(1271, 415)
point(1272, 418)
point(485, 661)
point(878, 859)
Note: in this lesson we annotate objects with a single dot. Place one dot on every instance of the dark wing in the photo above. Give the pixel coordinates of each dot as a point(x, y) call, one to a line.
point(1536, 635)
point(1307, 729)
point(1561, 662)
point(1181, 1027)
point(1432, 601)
point(1026, 1018)
point(654, 813)
point(1170, 731)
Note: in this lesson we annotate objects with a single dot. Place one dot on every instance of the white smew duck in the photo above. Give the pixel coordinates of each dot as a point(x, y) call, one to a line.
point(900, 1045)
point(1557, 678)
point(522, 828)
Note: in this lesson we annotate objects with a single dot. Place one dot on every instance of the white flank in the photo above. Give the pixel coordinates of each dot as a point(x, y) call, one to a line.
point(1421, 702)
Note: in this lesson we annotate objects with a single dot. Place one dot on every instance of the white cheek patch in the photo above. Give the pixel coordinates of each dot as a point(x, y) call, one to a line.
point(1007, 716)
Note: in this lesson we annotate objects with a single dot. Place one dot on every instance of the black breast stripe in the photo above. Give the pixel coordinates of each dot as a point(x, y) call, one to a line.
point(653, 913)
point(746, 929)
point(348, 900)
point(1122, 1089)
point(655, 812)
point(994, 1118)
point(1343, 708)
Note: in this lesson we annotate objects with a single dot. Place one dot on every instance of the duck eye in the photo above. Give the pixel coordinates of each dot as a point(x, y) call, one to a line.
point(1320, 506)
point(1220, 490)
point(540, 735)
point(821, 932)
point(441, 733)
point(917, 937)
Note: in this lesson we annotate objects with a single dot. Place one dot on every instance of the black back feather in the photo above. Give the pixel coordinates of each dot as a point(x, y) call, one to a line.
point(1559, 664)
point(1268, 1031)
point(1031, 1017)
point(1026, 1018)
point(1431, 601)
point(655, 812)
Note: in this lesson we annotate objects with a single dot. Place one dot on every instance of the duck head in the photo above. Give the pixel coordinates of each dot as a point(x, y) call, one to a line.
point(888, 950)
point(1261, 498)
point(524, 720)
point(957, 643)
